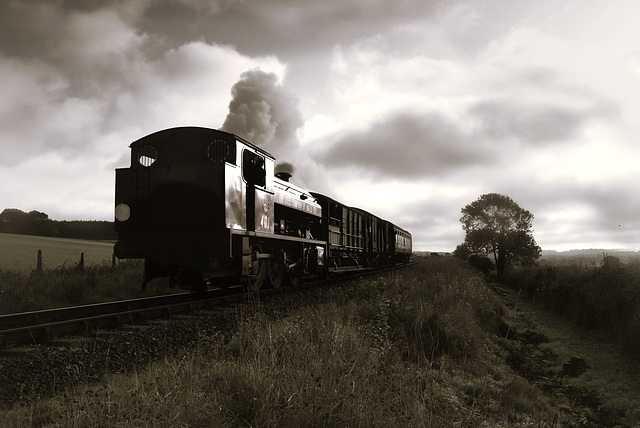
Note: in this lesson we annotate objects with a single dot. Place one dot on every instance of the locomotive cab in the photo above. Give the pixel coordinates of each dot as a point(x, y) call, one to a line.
point(186, 189)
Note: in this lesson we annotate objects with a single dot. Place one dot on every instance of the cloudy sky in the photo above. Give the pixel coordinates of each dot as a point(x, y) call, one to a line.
point(410, 109)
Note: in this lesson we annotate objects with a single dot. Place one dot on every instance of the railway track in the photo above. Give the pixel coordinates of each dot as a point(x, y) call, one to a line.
point(42, 326)
point(46, 325)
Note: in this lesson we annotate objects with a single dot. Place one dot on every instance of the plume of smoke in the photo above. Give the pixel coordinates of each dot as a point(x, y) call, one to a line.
point(264, 112)
point(285, 167)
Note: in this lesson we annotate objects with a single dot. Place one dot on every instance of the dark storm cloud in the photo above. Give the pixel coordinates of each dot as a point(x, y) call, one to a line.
point(30, 28)
point(26, 28)
point(87, 5)
point(406, 145)
point(528, 123)
point(278, 26)
point(34, 28)
point(86, 50)
point(545, 106)
point(264, 112)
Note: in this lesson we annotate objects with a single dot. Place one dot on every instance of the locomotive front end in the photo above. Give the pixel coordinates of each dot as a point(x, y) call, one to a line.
point(170, 205)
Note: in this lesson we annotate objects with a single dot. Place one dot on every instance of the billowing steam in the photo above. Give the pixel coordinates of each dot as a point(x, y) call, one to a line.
point(264, 112)
point(285, 167)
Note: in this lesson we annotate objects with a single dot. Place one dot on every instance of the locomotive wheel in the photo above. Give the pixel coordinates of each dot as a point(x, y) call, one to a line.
point(277, 269)
point(294, 274)
point(258, 269)
point(294, 270)
point(255, 281)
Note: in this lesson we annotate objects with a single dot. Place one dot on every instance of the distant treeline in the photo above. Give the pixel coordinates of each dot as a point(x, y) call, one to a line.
point(38, 223)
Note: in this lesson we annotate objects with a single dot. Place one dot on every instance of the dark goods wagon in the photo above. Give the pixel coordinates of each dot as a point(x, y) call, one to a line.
point(201, 205)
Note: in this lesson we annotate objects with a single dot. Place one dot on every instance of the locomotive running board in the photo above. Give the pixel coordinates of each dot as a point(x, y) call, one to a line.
point(348, 269)
point(278, 237)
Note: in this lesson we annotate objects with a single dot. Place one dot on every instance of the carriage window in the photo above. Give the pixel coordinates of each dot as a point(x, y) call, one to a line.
point(253, 168)
point(147, 155)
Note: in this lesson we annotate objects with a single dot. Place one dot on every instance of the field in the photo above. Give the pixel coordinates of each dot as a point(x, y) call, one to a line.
point(19, 253)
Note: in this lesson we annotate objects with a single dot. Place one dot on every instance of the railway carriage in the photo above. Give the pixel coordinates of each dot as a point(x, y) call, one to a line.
point(355, 238)
point(202, 205)
point(402, 247)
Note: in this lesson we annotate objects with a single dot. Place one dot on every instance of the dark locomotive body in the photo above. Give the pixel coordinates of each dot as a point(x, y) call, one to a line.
point(200, 204)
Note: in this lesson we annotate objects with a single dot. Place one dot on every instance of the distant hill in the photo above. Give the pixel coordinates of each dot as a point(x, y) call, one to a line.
point(590, 256)
point(589, 252)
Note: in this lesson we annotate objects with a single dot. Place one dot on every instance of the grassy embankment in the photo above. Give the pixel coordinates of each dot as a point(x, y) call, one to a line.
point(605, 298)
point(419, 347)
point(61, 282)
point(62, 287)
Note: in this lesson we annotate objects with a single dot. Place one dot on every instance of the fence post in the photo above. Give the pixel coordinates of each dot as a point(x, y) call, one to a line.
point(39, 265)
point(81, 265)
point(113, 260)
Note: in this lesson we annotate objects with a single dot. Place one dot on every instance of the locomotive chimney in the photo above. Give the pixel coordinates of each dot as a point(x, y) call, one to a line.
point(285, 176)
point(284, 170)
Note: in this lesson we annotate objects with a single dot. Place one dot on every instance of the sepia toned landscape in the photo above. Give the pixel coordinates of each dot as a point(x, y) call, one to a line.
point(362, 213)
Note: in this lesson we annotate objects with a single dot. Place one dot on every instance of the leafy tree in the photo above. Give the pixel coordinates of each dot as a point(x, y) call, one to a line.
point(495, 224)
point(462, 252)
point(13, 220)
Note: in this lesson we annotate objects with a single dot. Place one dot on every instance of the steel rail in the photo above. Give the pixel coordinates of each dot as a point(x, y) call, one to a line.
point(41, 326)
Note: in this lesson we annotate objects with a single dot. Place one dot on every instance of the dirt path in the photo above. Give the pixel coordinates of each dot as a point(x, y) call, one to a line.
point(611, 382)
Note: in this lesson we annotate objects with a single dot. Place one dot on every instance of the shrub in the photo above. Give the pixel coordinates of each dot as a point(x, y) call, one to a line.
point(604, 298)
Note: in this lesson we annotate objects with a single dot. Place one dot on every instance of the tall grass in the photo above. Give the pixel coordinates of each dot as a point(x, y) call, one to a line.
point(412, 348)
point(64, 286)
point(604, 298)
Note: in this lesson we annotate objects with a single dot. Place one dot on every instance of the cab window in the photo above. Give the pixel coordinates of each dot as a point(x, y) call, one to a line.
point(253, 168)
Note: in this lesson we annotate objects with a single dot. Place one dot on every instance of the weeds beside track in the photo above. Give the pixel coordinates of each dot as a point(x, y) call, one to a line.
point(422, 347)
point(405, 348)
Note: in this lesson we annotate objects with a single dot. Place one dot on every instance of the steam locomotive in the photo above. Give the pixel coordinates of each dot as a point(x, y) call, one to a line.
point(201, 205)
